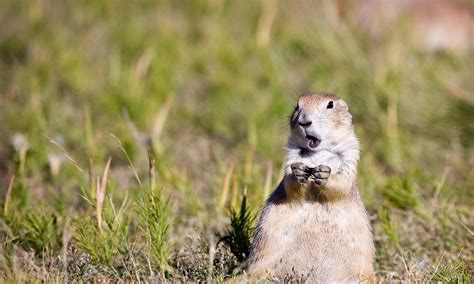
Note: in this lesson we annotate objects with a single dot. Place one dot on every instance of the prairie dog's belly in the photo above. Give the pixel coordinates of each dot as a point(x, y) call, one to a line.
point(312, 234)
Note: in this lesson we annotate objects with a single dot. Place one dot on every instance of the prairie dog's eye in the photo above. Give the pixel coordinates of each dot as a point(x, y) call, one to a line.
point(330, 104)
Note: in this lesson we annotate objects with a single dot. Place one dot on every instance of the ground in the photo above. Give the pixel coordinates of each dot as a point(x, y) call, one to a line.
point(189, 102)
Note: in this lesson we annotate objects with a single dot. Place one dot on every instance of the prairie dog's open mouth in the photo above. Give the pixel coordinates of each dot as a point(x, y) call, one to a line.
point(313, 142)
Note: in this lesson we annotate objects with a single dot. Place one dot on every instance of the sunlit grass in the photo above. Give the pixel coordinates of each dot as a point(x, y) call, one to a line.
point(205, 90)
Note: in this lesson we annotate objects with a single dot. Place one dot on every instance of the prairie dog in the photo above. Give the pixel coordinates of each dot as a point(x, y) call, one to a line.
point(314, 226)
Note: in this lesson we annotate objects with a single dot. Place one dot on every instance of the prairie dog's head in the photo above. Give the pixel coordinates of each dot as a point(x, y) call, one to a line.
point(320, 121)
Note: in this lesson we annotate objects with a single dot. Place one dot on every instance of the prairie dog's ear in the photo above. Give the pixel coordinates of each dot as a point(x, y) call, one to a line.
point(344, 112)
point(343, 105)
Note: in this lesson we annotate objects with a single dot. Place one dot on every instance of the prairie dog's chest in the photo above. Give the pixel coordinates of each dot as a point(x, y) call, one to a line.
point(324, 157)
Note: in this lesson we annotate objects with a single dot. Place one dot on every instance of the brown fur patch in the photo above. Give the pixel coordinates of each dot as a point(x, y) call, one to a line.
point(311, 101)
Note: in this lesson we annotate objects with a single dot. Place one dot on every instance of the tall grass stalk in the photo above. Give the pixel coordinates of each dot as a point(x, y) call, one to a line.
point(266, 21)
point(100, 193)
point(226, 185)
point(8, 195)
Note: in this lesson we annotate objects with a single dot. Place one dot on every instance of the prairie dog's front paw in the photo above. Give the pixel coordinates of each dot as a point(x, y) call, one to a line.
point(320, 174)
point(301, 172)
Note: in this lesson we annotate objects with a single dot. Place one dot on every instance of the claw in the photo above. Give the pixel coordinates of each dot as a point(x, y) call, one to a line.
point(298, 165)
point(320, 174)
point(322, 168)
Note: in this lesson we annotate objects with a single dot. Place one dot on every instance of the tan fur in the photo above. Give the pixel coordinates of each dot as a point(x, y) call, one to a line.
point(310, 101)
point(311, 232)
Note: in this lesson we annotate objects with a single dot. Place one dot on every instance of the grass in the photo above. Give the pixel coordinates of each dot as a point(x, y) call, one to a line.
point(204, 89)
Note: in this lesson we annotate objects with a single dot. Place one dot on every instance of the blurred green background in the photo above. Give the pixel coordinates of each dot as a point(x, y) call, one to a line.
point(204, 88)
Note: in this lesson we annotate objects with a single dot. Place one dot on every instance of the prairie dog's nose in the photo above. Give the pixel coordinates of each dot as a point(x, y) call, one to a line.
point(304, 122)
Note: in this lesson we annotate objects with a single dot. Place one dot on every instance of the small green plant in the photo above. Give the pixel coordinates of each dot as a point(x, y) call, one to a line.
point(239, 235)
point(106, 235)
point(35, 228)
point(104, 244)
point(42, 230)
point(155, 217)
